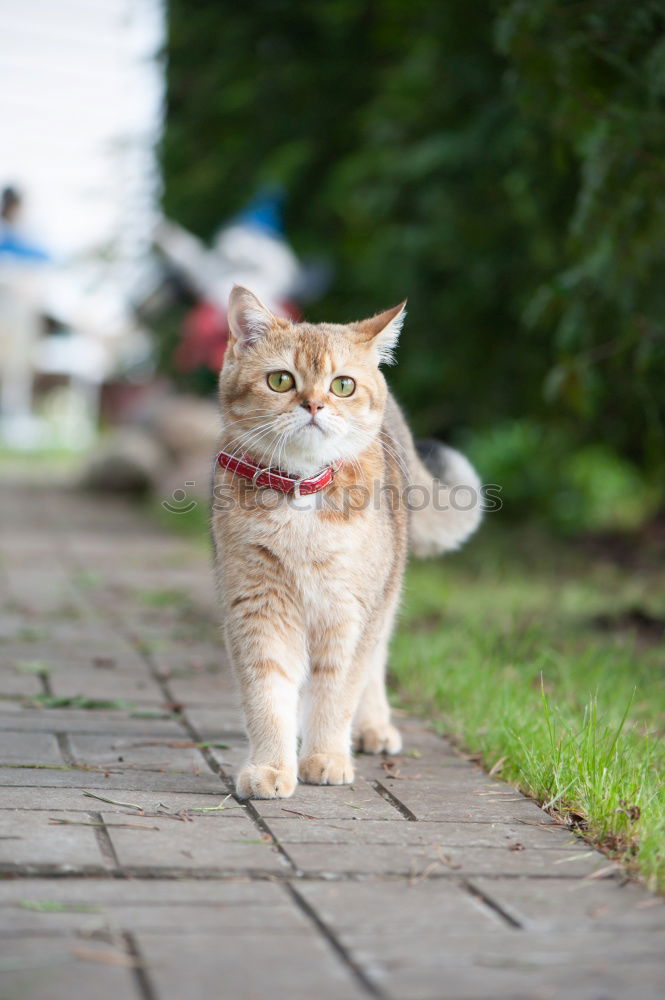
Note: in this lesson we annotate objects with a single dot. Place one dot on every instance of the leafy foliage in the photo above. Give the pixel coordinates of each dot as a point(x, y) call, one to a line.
point(504, 170)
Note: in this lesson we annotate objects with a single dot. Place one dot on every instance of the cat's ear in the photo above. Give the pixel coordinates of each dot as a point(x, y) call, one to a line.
point(384, 330)
point(248, 318)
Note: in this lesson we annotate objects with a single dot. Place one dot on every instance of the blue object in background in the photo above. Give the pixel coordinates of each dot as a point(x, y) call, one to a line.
point(11, 244)
point(265, 212)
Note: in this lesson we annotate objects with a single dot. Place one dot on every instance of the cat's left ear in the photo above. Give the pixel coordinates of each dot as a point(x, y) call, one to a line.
point(248, 318)
point(384, 330)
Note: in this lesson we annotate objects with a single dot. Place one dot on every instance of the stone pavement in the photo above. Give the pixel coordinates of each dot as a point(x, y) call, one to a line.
point(119, 737)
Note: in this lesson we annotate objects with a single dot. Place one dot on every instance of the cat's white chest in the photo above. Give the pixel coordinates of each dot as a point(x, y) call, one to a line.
point(290, 527)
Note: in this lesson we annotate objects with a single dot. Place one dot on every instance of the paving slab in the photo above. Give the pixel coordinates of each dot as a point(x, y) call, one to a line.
point(89, 681)
point(241, 891)
point(39, 838)
point(436, 857)
point(15, 683)
point(192, 658)
point(149, 724)
point(122, 777)
point(194, 686)
point(174, 754)
point(507, 836)
point(223, 844)
point(56, 969)
point(576, 904)
point(87, 646)
point(43, 592)
point(29, 748)
point(424, 751)
point(24, 631)
point(458, 794)
point(355, 802)
point(298, 965)
point(218, 722)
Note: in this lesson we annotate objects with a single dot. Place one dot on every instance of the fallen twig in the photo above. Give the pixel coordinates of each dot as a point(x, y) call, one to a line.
point(42, 767)
point(427, 870)
point(296, 812)
point(445, 859)
point(218, 808)
point(106, 957)
point(604, 872)
point(171, 744)
point(497, 767)
point(114, 802)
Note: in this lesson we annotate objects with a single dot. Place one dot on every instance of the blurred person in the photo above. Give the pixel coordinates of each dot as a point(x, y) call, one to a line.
point(21, 293)
point(251, 249)
point(13, 242)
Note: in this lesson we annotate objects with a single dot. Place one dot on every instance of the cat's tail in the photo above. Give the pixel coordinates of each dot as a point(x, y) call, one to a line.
point(446, 503)
point(444, 491)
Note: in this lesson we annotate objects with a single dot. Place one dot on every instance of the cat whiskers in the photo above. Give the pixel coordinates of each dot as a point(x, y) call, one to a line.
point(249, 439)
point(388, 444)
point(252, 438)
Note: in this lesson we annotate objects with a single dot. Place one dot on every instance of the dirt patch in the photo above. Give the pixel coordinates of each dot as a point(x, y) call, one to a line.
point(643, 549)
point(646, 627)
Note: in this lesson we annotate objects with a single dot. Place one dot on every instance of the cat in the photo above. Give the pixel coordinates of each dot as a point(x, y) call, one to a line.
point(310, 556)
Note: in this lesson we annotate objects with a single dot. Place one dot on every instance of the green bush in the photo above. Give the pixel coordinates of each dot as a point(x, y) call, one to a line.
point(544, 475)
point(502, 166)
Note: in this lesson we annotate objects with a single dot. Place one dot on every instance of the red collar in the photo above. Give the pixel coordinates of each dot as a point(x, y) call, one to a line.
point(244, 467)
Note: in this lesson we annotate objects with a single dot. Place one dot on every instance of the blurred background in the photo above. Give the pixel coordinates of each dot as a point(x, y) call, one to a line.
point(504, 171)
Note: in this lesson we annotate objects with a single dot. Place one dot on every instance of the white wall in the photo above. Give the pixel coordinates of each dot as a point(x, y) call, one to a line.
point(80, 112)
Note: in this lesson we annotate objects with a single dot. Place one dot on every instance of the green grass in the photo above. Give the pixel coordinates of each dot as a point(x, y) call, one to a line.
point(80, 701)
point(59, 462)
point(524, 652)
point(194, 524)
point(168, 597)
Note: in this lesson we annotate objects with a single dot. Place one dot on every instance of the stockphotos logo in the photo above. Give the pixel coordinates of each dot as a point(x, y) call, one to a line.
point(349, 498)
point(179, 502)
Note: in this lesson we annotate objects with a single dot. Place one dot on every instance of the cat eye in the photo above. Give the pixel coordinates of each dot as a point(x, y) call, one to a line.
point(281, 381)
point(343, 385)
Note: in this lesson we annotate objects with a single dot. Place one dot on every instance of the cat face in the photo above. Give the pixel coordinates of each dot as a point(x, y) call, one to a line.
point(297, 396)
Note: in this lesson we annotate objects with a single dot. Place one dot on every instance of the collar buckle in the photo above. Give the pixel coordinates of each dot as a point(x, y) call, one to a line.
point(259, 472)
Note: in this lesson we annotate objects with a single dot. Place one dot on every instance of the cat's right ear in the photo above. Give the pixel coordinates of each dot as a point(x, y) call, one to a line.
point(248, 318)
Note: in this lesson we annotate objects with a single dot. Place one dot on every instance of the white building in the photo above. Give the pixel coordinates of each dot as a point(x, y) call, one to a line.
point(81, 92)
point(80, 113)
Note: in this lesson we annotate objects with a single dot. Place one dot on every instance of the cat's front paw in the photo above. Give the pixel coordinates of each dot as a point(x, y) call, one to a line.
point(326, 769)
point(260, 781)
point(379, 738)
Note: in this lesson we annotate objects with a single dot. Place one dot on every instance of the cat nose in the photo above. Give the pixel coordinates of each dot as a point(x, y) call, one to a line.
point(312, 406)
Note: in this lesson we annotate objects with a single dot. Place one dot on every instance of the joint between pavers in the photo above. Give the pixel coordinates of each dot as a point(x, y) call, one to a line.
point(491, 904)
point(261, 825)
point(45, 682)
point(37, 870)
point(140, 969)
point(104, 841)
point(65, 749)
point(392, 800)
point(359, 974)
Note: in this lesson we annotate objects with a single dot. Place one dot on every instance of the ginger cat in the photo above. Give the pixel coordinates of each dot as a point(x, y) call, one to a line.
point(309, 572)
